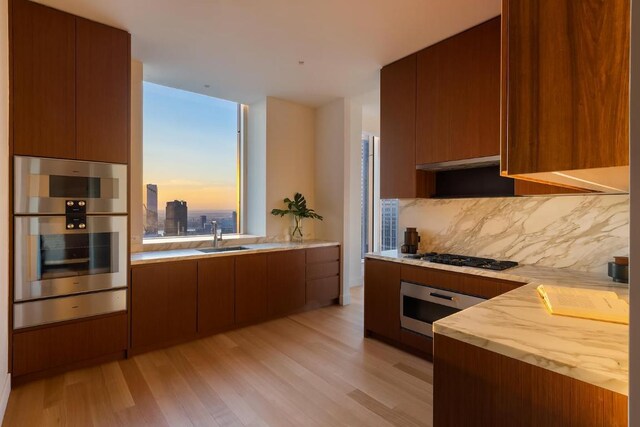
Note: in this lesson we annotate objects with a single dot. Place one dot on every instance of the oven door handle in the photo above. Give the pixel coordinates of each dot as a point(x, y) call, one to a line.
point(441, 296)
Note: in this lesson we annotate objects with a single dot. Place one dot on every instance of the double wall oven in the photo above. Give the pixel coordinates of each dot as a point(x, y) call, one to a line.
point(70, 240)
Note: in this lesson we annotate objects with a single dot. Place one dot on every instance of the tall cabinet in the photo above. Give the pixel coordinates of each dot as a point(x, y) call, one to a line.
point(70, 86)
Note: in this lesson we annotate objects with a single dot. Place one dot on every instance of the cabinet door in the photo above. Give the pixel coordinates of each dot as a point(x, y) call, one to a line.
point(103, 92)
point(251, 288)
point(43, 81)
point(398, 175)
point(216, 293)
point(458, 101)
point(286, 281)
point(566, 85)
point(382, 298)
point(163, 303)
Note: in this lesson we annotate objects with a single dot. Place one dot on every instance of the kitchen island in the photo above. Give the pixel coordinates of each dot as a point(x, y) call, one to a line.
point(507, 361)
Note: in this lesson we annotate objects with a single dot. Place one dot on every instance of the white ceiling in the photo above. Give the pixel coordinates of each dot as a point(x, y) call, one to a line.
point(247, 49)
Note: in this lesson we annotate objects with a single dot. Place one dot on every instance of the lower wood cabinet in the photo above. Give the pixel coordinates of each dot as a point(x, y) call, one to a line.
point(382, 298)
point(46, 348)
point(163, 303)
point(285, 282)
point(322, 275)
point(475, 386)
point(251, 288)
point(216, 294)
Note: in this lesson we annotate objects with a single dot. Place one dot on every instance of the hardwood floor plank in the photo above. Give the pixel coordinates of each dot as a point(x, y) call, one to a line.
point(309, 369)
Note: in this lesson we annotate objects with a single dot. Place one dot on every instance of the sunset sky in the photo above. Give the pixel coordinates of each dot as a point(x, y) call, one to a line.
point(190, 148)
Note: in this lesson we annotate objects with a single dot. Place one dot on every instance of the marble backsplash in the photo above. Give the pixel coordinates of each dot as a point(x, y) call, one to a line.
point(577, 232)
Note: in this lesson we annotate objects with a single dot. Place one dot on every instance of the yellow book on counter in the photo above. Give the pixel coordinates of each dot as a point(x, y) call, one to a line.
point(585, 303)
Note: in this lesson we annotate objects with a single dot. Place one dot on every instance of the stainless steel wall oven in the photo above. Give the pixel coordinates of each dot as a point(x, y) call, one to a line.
point(70, 239)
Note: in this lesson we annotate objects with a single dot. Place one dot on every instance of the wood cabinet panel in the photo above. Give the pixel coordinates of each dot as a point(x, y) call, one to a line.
point(163, 303)
point(565, 85)
point(501, 391)
point(382, 298)
point(458, 96)
point(216, 293)
point(323, 290)
point(42, 81)
point(251, 288)
point(398, 175)
point(48, 347)
point(416, 341)
point(458, 282)
point(325, 269)
point(285, 281)
point(103, 92)
point(328, 254)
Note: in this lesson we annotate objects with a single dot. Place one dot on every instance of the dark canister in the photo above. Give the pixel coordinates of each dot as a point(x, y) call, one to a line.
point(619, 269)
point(411, 240)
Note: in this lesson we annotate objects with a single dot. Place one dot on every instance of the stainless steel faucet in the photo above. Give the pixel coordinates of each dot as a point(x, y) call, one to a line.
point(214, 231)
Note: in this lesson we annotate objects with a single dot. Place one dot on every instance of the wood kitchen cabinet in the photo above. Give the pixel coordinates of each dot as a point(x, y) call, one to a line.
point(103, 65)
point(382, 298)
point(323, 275)
point(398, 175)
point(458, 96)
point(251, 288)
point(163, 303)
point(43, 98)
point(216, 294)
point(502, 391)
point(565, 90)
point(285, 282)
point(70, 86)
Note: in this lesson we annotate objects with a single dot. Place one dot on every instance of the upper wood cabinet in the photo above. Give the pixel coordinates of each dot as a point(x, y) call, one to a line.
point(566, 91)
point(398, 175)
point(102, 92)
point(43, 96)
point(285, 281)
point(458, 96)
point(70, 81)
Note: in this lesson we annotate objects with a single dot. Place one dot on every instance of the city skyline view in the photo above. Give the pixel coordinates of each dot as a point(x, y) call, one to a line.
point(190, 148)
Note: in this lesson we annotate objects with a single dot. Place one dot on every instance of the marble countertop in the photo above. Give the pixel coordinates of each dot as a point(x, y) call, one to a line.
point(151, 257)
point(517, 324)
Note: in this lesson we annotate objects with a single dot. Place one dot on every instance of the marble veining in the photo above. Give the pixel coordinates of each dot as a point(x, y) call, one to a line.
point(517, 325)
point(578, 232)
point(151, 257)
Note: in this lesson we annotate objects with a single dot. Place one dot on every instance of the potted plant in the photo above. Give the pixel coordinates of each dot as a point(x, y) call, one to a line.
point(298, 209)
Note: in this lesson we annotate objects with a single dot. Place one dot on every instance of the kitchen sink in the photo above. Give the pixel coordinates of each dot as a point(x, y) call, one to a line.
point(224, 249)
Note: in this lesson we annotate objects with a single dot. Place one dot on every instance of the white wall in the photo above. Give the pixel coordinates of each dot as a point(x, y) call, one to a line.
point(290, 164)
point(135, 160)
point(353, 177)
point(5, 379)
point(634, 339)
point(256, 173)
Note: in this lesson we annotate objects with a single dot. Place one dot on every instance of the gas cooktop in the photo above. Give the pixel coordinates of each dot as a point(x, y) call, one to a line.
point(465, 261)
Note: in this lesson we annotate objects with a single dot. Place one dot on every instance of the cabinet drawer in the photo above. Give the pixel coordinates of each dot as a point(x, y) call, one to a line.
point(326, 269)
point(56, 346)
point(323, 254)
point(323, 290)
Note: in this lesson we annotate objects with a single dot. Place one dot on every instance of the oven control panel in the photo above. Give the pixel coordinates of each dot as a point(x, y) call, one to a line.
point(76, 214)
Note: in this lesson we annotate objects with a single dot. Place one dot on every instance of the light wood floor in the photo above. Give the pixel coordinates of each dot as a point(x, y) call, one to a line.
point(311, 369)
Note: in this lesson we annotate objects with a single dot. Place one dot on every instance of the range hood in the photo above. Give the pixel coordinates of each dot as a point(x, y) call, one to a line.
point(477, 162)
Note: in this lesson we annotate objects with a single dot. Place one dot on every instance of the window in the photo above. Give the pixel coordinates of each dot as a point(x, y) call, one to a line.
point(191, 163)
point(389, 224)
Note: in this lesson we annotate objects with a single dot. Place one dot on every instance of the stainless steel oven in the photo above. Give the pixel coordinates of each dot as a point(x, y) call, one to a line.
point(42, 186)
point(52, 260)
point(70, 240)
point(421, 306)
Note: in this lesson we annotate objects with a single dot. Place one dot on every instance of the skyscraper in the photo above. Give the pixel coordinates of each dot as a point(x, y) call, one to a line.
point(389, 224)
point(152, 210)
point(176, 222)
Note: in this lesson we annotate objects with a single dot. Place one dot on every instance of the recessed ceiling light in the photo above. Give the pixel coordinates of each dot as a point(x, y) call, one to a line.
point(207, 86)
point(300, 62)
